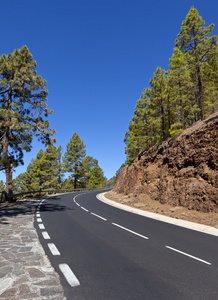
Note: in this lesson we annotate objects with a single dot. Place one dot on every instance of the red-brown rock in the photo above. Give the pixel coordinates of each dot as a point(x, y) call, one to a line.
point(181, 171)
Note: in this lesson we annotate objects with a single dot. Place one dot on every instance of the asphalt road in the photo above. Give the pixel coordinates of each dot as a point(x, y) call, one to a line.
point(101, 252)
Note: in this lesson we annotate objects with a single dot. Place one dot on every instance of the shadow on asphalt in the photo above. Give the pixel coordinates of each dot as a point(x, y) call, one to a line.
point(27, 207)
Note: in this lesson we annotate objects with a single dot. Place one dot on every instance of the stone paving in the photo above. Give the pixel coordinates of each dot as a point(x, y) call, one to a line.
point(25, 271)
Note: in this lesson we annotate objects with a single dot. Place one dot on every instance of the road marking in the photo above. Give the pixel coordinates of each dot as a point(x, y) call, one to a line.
point(69, 275)
point(53, 249)
point(144, 237)
point(38, 215)
point(41, 226)
point(84, 208)
point(98, 216)
point(46, 235)
point(194, 257)
point(39, 220)
point(77, 203)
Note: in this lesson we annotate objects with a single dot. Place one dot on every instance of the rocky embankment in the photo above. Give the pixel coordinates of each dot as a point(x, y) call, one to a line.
point(181, 171)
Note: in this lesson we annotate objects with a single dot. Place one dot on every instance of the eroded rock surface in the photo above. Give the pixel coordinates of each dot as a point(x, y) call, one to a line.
point(181, 171)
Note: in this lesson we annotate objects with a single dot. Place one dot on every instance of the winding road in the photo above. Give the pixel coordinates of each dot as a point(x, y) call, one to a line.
point(102, 252)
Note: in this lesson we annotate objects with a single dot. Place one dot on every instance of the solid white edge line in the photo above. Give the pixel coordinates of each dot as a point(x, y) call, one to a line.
point(98, 216)
point(41, 226)
point(69, 275)
point(84, 208)
point(182, 223)
point(45, 235)
point(194, 257)
point(39, 220)
point(144, 237)
point(53, 249)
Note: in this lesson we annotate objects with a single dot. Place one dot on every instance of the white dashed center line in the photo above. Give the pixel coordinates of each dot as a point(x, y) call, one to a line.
point(45, 235)
point(186, 254)
point(98, 216)
point(84, 208)
point(53, 249)
point(144, 237)
point(69, 275)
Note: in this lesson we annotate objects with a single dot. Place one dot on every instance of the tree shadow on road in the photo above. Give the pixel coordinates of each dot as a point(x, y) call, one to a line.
point(27, 207)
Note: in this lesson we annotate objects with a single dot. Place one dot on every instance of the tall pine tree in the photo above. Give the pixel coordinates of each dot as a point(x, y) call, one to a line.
point(23, 109)
point(195, 41)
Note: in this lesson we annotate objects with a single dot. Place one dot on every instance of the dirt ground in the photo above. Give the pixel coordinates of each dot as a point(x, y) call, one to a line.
point(177, 212)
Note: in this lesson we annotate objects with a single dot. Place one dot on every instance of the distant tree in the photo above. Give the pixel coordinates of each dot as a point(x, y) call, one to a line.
point(2, 186)
point(20, 183)
point(42, 172)
point(96, 178)
point(69, 183)
point(22, 109)
point(118, 171)
point(140, 135)
point(111, 182)
point(87, 165)
point(60, 167)
point(73, 157)
point(50, 168)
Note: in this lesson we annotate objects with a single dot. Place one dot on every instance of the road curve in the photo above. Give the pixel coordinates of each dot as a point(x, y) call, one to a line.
point(102, 252)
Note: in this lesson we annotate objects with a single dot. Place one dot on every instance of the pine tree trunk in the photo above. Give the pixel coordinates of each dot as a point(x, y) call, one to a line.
point(7, 165)
point(200, 94)
point(169, 115)
point(5, 157)
point(181, 107)
point(162, 119)
point(200, 88)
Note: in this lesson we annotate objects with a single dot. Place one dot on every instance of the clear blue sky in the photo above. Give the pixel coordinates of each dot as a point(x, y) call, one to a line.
point(97, 56)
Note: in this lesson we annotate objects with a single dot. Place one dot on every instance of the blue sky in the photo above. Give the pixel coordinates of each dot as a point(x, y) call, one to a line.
point(97, 56)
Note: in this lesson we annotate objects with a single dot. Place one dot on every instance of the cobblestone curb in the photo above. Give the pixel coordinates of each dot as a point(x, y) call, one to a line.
point(25, 271)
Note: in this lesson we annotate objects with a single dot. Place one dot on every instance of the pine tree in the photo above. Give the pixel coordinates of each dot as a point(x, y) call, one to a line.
point(50, 168)
point(88, 163)
point(210, 78)
point(139, 136)
point(22, 109)
point(42, 172)
point(73, 158)
point(96, 178)
point(159, 99)
point(195, 41)
point(182, 96)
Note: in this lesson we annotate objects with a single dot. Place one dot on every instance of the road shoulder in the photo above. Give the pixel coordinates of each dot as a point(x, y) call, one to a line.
point(183, 223)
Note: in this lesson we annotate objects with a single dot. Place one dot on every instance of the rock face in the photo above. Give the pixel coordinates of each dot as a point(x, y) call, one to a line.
point(181, 171)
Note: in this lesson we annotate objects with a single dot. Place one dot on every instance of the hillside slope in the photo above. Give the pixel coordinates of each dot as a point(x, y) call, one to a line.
point(181, 171)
